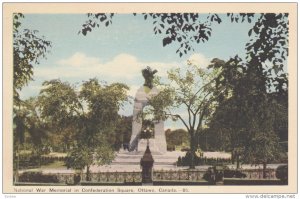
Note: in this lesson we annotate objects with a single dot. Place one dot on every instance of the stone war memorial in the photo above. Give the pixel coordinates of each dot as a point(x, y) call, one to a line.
point(157, 144)
point(156, 139)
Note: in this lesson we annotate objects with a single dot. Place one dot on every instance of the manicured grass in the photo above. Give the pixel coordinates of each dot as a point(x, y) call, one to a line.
point(56, 154)
point(24, 152)
point(54, 165)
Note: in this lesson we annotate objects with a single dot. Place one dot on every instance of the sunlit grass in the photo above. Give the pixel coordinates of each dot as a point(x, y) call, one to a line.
point(54, 165)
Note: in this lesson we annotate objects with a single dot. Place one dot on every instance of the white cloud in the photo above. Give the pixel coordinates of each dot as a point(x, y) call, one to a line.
point(124, 68)
point(79, 59)
point(79, 65)
point(199, 59)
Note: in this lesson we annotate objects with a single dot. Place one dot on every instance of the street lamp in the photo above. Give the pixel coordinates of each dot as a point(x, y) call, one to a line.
point(147, 134)
point(147, 159)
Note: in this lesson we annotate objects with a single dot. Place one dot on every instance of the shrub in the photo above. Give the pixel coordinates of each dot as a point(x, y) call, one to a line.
point(217, 173)
point(38, 177)
point(185, 161)
point(282, 172)
point(77, 179)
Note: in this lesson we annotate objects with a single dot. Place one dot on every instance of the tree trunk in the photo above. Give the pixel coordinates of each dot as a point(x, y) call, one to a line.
point(18, 163)
point(88, 173)
point(232, 157)
point(264, 170)
point(237, 161)
point(193, 150)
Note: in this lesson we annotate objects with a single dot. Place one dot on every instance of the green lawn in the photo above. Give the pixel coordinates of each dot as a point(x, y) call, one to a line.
point(54, 165)
point(55, 154)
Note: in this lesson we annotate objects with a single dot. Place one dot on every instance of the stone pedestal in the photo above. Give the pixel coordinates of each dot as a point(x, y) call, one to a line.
point(158, 144)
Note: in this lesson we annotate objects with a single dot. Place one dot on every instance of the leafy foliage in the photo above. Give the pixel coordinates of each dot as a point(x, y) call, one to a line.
point(38, 177)
point(83, 155)
point(262, 148)
point(27, 120)
point(256, 96)
point(59, 103)
point(241, 17)
point(185, 160)
point(122, 134)
point(29, 131)
point(176, 137)
point(90, 114)
point(28, 49)
point(268, 49)
point(192, 89)
point(182, 28)
point(185, 29)
point(246, 114)
point(95, 20)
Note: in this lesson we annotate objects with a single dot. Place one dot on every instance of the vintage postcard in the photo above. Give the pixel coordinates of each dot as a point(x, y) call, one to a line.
point(150, 98)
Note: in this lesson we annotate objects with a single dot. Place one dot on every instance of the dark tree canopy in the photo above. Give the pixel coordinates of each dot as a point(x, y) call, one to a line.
point(248, 114)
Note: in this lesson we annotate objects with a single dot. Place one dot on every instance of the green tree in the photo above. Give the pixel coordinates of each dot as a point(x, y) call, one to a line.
point(91, 113)
point(256, 89)
point(122, 133)
point(229, 120)
point(176, 137)
point(28, 122)
point(263, 148)
point(191, 89)
point(59, 107)
point(28, 49)
point(251, 100)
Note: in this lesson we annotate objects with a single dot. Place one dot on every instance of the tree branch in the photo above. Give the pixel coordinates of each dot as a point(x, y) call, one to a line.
point(178, 116)
point(201, 119)
point(203, 87)
point(202, 103)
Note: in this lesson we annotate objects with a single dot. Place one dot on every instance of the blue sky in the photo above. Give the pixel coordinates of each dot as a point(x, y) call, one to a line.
point(119, 52)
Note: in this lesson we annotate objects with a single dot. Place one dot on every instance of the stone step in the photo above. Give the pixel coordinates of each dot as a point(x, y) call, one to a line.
point(139, 157)
point(138, 163)
point(133, 158)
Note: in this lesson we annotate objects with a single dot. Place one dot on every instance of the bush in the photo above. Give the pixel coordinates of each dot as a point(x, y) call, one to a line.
point(217, 173)
point(234, 174)
point(185, 161)
point(33, 160)
point(77, 178)
point(282, 172)
point(38, 177)
point(28, 160)
point(170, 147)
